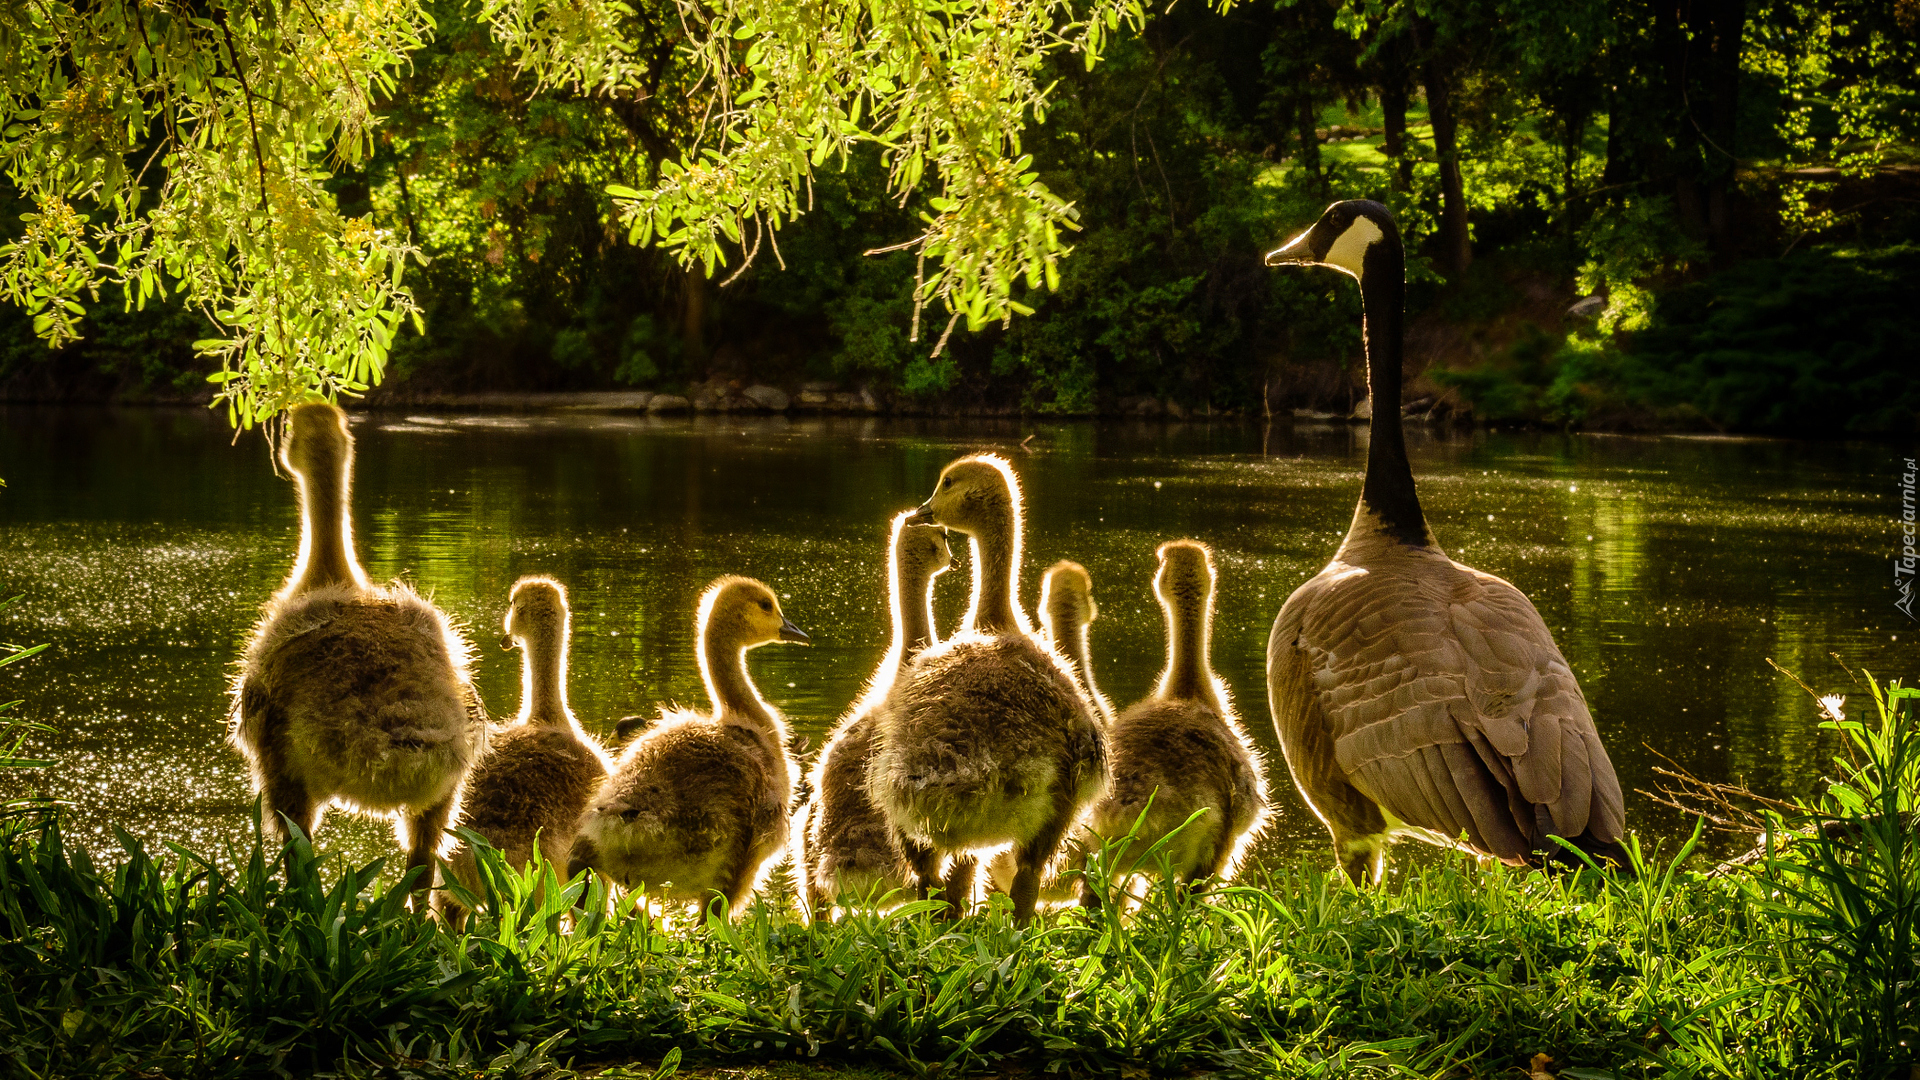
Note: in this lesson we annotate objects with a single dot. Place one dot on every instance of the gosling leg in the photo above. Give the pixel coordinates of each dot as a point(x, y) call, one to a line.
point(580, 857)
point(957, 891)
point(424, 833)
point(282, 799)
point(925, 863)
point(819, 904)
point(1031, 858)
point(739, 887)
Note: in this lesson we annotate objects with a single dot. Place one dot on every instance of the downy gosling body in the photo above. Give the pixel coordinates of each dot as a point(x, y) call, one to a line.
point(1414, 695)
point(851, 850)
point(1182, 751)
point(986, 739)
point(349, 692)
point(1067, 612)
point(698, 803)
point(539, 774)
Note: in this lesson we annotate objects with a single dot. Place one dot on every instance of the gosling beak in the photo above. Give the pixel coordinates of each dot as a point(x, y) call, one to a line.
point(506, 641)
point(922, 515)
point(790, 632)
point(1294, 252)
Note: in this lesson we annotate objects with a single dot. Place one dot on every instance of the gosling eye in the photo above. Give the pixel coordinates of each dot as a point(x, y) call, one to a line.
point(947, 483)
point(766, 606)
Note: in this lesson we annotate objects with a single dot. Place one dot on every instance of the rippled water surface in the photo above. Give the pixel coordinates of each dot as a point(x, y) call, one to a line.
point(1669, 569)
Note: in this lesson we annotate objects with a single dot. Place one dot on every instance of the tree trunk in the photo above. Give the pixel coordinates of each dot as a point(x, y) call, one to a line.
point(693, 317)
point(1683, 158)
point(1575, 118)
point(1393, 109)
point(1304, 116)
point(1615, 173)
point(1729, 30)
point(1456, 243)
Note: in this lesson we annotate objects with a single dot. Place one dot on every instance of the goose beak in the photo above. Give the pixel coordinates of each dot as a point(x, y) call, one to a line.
point(923, 515)
point(1294, 252)
point(792, 633)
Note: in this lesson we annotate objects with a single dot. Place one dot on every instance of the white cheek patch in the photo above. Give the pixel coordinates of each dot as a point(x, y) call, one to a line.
point(1348, 252)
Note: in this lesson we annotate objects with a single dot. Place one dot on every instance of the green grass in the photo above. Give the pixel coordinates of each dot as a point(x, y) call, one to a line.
point(169, 965)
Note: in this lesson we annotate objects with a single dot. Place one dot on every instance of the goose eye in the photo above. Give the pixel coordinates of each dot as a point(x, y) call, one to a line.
point(947, 483)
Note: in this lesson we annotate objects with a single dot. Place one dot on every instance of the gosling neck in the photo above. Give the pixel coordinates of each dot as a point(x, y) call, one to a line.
point(543, 680)
point(996, 579)
point(723, 667)
point(912, 617)
point(326, 531)
point(1075, 640)
point(1388, 493)
point(1189, 672)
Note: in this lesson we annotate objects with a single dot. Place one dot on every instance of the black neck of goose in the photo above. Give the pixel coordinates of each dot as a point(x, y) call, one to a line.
point(1389, 491)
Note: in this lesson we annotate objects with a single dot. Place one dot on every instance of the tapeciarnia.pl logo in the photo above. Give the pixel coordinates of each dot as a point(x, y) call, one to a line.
point(1904, 563)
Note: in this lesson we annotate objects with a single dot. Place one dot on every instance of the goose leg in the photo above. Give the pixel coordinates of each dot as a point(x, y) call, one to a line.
point(1090, 900)
point(1031, 858)
point(1359, 828)
point(1216, 867)
point(1364, 858)
point(819, 904)
point(453, 913)
point(958, 888)
point(925, 863)
point(580, 857)
point(424, 832)
point(282, 799)
point(738, 889)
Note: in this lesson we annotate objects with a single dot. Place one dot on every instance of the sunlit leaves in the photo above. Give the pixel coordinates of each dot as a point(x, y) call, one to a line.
point(577, 43)
point(944, 87)
point(169, 148)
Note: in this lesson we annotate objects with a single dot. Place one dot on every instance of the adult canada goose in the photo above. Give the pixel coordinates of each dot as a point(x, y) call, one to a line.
point(1414, 695)
point(850, 847)
point(1182, 751)
point(697, 804)
point(1067, 612)
point(539, 774)
point(349, 692)
point(985, 739)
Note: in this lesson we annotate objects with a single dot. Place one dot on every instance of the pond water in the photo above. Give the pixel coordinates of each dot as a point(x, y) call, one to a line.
point(1670, 569)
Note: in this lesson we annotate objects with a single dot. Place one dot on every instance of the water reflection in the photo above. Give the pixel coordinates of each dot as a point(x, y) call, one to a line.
point(1669, 570)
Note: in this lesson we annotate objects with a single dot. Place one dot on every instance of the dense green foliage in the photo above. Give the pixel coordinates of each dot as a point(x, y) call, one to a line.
point(1611, 147)
point(1802, 966)
point(1818, 342)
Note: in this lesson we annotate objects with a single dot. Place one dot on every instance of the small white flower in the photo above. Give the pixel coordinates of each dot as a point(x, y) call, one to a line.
point(1831, 706)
